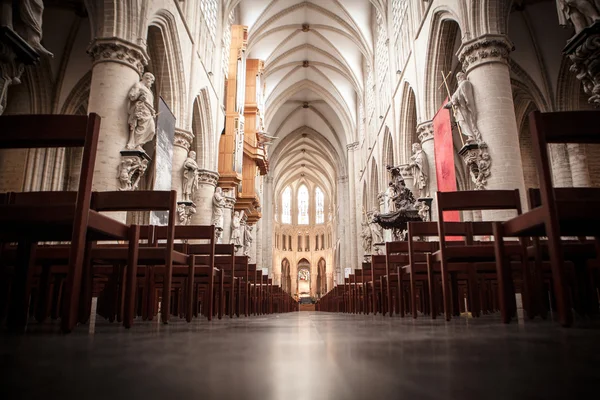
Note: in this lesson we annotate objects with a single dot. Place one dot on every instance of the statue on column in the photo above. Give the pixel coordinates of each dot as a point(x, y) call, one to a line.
point(579, 13)
point(190, 176)
point(29, 24)
point(218, 206)
point(131, 170)
point(236, 229)
point(420, 168)
point(376, 232)
point(465, 112)
point(141, 113)
point(247, 238)
point(367, 237)
point(390, 197)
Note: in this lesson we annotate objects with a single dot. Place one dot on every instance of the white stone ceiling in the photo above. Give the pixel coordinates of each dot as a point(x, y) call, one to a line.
point(312, 109)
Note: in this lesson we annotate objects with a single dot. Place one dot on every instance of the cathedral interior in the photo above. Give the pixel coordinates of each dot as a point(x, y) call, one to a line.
point(336, 199)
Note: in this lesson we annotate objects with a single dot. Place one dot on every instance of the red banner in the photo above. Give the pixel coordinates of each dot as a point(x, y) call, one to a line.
point(444, 157)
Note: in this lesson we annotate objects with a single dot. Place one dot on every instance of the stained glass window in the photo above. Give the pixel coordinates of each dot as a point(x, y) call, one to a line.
point(303, 206)
point(286, 206)
point(320, 205)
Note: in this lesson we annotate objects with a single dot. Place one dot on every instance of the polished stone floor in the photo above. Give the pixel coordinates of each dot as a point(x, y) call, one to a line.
point(308, 356)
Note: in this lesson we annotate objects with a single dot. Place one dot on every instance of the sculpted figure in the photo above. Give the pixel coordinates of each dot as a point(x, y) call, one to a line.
point(130, 172)
point(236, 229)
point(465, 112)
point(29, 23)
point(141, 113)
point(579, 13)
point(391, 195)
point(420, 168)
point(376, 232)
point(190, 176)
point(218, 206)
point(367, 237)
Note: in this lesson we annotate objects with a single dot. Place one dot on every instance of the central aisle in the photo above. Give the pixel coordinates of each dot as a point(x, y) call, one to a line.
point(305, 356)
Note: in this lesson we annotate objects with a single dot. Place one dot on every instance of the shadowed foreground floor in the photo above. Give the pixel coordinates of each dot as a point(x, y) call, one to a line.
point(306, 356)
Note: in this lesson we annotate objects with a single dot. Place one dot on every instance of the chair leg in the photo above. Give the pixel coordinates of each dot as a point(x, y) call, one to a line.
point(190, 289)
point(502, 273)
point(431, 285)
point(85, 302)
point(445, 291)
point(21, 287)
point(166, 295)
point(132, 260)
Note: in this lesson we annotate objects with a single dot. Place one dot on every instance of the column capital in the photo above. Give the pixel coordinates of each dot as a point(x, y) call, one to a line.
point(343, 179)
point(208, 177)
point(483, 50)
point(353, 146)
point(425, 131)
point(183, 138)
point(114, 49)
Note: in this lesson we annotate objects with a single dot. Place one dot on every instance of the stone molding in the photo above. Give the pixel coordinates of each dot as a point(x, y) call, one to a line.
point(183, 139)
point(483, 50)
point(425, 131)
point(353, 146)
point(114, 49)
point(208, 177)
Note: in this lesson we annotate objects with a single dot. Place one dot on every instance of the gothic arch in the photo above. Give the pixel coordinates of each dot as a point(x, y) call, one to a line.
point(202, 127)
point(166, 63)
point(445, 31)
point(408, 122)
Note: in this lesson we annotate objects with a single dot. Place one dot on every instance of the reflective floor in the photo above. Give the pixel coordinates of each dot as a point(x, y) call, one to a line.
point(307, 356)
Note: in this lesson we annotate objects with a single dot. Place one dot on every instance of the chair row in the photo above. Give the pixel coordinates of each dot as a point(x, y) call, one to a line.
point(130, 273)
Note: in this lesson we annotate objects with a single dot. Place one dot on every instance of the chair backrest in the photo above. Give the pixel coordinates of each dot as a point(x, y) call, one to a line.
point(40, 131)
point(36, 198)
point(558, 127)
point(51, 130)
point(474, 200)
point(565, 194)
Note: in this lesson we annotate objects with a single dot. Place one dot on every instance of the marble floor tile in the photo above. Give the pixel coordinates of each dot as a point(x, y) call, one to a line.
point(307, 355)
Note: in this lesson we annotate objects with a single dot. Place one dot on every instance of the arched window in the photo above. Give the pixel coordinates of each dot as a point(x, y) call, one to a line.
point(320, 205)
point(303, 206)
point(286, 206)
point(210, 10)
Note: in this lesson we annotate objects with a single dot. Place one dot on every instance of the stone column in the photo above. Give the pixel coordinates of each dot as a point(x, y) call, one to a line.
point(258, 244)
point(227, 214)
point(267, 229)
point(485, 61)
point(203, 197)
point(579, 165)
point(425, 132)
point(355, 217)
point(181, 148)
point(117, 66)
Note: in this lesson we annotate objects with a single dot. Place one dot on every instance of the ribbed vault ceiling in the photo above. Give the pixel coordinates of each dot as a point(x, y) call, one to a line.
point(313, 53)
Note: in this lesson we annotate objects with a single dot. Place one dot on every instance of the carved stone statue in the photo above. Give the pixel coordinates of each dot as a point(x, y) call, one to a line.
point(248, 237)
point(367, 237)
point(185, 213)
point(420, 168)
point(141, 113)
point(218, 206)
point(130, 172)
point(29, 24)
point(376, 231)
point(579, 13)
point(190, 176)
point(390, 195)
point(236, 229)
point(465, 112)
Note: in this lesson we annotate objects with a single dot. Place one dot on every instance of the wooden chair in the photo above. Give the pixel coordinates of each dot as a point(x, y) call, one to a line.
point(579, 215)
point(472, 253)
point(74, 222)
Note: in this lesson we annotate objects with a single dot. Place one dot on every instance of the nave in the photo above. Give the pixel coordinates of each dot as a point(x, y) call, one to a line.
point(307, 355)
